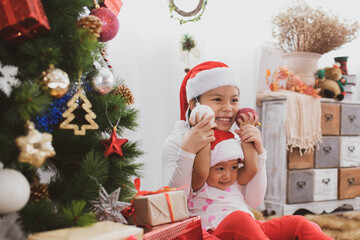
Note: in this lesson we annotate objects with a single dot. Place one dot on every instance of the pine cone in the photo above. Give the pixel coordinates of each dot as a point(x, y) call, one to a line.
point(92, 23)
point(38, 191)
point(125, 92)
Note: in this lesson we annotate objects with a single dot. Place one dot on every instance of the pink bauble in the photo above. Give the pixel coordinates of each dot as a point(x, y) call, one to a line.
point(109, 21)
point(244, 111)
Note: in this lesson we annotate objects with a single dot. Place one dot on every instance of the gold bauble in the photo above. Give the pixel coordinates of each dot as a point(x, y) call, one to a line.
point(55, 81)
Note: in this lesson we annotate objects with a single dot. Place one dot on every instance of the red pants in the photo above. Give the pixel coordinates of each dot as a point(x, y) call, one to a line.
point(240, 225)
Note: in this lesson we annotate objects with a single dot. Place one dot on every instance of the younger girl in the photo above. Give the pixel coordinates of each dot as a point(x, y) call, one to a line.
point(223, 203)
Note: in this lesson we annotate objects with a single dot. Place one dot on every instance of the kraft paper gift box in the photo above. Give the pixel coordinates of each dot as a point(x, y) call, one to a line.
point(105, 230)
point(152, 210)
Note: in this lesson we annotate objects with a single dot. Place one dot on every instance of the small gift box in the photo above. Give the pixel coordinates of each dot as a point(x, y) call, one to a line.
point(99, 231)
point(113, 5)
point(151, 208)
point(22, 19)
point(189, 229)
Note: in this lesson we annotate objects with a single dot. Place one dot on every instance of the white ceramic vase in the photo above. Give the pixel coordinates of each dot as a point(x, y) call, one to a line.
point(303, 64)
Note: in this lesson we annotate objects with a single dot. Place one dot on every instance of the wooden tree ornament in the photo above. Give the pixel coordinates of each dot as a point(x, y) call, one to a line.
point(69, 116)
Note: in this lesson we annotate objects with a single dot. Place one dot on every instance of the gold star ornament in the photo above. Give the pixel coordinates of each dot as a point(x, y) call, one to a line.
point(35, 147)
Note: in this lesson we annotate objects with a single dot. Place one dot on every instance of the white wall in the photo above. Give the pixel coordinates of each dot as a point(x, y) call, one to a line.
point(146, 53)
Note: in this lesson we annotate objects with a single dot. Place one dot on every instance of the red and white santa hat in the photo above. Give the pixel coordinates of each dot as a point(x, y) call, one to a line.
point(225, 148)
point(202, 78)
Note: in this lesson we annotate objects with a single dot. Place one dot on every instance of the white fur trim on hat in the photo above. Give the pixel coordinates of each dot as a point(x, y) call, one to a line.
point(207, 80)
point(226, 150)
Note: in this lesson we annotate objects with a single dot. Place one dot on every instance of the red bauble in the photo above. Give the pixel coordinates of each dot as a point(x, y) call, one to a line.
point(244, 111)
point(109, 21)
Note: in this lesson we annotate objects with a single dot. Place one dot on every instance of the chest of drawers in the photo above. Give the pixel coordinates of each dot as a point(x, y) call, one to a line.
point(322, 180)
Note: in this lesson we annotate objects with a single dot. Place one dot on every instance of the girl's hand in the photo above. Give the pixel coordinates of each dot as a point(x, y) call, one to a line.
point(249, 118)
point(199, 136)
point(249, 133)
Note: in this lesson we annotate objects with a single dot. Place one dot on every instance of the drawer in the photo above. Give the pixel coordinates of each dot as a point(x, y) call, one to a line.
point(327, 156)
point(325, 184)
point(349, 151)
point(350, 120)
point(349, 183)
point(330, 119)
point(300, 187)
point(297, 161)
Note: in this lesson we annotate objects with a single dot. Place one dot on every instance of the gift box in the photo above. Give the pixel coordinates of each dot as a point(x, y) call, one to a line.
point(189, 229)
point(152, 210)
point(99, 231)
point(22, 19)
point(113, 5)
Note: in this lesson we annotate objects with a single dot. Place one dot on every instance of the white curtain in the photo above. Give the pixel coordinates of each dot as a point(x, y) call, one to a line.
point(146, 54)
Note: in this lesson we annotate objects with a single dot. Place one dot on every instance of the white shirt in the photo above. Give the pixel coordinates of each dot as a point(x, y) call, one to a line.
point(178, 165)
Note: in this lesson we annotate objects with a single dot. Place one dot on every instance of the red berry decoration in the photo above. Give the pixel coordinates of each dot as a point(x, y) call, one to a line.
point(245, 111)
point(109, 21)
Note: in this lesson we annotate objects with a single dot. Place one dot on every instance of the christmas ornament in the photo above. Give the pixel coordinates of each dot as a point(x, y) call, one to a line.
point(188, 45)
point(201, 109)
point(108, 207)
point(103, 81)
point(22, 20)
point(15, 190)
point(92, 23)
point(123, 91)
point(55, 81)
point(109, 21)
point(245, 111)
point(51, 117)
point(185, 17)
point(38, 191)
point(343, 64)
point(113, 144)
point(7, 78)
point(69, 116)
point(103, 54)
point(113, 5)
point(35, 147)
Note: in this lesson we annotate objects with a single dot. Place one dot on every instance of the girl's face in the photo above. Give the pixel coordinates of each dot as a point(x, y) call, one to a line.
point(225, 103)
point(223, 174)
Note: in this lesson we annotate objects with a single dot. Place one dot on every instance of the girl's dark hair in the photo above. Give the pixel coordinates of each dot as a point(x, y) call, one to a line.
point(197, 100)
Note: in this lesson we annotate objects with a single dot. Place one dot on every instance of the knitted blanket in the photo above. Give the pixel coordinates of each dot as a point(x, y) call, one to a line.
point(303, 119)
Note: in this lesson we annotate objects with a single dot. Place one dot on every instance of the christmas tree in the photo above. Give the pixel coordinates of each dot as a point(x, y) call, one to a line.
point(58, 110)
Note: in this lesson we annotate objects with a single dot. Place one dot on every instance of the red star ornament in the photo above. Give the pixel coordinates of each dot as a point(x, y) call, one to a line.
point(113, 144)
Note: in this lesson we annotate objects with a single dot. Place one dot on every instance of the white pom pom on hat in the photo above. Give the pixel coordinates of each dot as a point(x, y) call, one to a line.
point(202, 78)
point(225, 148)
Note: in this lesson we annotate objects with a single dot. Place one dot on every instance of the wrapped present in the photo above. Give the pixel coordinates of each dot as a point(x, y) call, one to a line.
point(99, 231)
point(22, 19)
point(189, 229)
point(151, 208)
point(113, 5)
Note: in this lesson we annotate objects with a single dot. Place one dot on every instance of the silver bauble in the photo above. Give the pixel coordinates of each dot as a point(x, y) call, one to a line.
point(104, 81)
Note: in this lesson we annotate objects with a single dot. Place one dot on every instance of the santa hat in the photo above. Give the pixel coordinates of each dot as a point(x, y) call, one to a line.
point(202, 78)
point(225, 148)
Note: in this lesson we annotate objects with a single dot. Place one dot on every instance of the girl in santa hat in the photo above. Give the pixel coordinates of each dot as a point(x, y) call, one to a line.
point(215, 188)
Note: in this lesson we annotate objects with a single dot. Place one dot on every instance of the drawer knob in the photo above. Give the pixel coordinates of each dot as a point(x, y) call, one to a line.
point(351, 181)
point(351, 148)
point(326, 181)
point(328, 116)
point(301, 184)
point(352, 118)
point(327, 149)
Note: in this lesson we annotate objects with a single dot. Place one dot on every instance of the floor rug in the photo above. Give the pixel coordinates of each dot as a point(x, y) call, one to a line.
point(340, 226)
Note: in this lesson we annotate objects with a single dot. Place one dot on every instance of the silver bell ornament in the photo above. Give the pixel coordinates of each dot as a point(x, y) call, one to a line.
point(15, 190)
point(103, 81)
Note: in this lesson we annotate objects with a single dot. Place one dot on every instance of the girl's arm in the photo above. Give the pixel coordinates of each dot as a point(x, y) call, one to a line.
point(250, 168)
point(201, 168)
